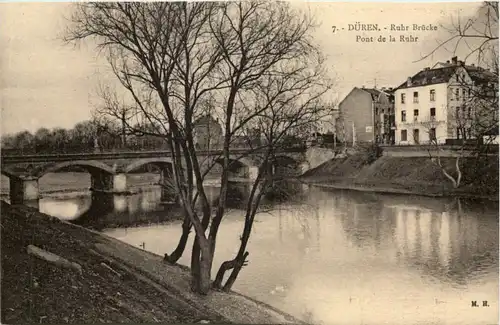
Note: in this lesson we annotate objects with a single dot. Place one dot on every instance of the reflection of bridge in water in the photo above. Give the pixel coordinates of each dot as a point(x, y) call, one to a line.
point(106, 210)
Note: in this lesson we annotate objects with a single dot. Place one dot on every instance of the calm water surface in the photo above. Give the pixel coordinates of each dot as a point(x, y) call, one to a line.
point(338, 257)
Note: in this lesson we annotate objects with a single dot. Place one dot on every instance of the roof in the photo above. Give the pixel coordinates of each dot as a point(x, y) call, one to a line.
point(444, 73)
point(430, 77)
point(374, 93)
point(205, 119)
point(481, 75)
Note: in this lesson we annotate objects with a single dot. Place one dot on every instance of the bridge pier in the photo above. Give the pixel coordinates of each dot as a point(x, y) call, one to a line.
point(253, 172)
point(23, 190)
point(109, 183)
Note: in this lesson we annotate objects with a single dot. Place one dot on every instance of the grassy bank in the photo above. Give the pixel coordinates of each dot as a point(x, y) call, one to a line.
point(412, 175)
point(118, 283)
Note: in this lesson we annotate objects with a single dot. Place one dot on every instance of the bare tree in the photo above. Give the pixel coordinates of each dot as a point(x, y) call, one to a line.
point(174, 58)
point(473, 88)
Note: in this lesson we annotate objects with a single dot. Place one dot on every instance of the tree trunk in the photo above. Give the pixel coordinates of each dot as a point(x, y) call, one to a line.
point(201, 267)
point(205, 281)
point(181, 246)
point(195, 266)
point(236, 264)
point(234, 274)
point(240, 260)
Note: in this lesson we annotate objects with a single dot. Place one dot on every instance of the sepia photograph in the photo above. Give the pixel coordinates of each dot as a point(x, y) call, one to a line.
point(249, 162)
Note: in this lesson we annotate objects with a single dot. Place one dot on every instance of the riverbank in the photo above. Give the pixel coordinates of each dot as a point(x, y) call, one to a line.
point(407, 175)
point(117, 283)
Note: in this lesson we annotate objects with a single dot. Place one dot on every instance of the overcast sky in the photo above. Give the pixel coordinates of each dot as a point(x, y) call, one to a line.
point(44, 83)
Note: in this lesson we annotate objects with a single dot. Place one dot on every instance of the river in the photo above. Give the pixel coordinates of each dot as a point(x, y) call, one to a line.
point(339, 257)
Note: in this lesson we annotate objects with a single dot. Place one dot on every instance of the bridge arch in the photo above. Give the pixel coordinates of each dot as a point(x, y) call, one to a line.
point(241, 162)
point(91, 166)
point(160, 162)
point(240, 168)
point(287, 166)
point(286, 160)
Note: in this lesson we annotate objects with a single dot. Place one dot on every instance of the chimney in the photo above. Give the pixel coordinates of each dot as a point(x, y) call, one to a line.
point(454, 60)
point(448, 61)
point(383, 88)
point(472, 65)
point(363, 87)
point(426, 68)
point(408, 82)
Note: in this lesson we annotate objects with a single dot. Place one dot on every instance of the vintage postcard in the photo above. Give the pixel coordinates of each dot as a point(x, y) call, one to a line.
point(253, 162)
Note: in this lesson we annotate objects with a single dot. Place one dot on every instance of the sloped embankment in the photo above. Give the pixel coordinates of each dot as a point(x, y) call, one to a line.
point(415, 175)
point(116, 283)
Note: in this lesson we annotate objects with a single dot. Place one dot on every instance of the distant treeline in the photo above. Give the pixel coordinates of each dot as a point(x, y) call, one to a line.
point(91, 137)
point(84, 137)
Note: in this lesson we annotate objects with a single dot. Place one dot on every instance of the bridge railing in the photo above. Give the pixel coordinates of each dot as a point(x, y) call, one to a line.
point(16, 155)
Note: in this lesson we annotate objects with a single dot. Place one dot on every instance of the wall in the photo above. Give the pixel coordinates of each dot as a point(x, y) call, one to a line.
point(316, 156)
point(460, 84)
point(356, 108)
point(423, 123)
point(383, 106)
point(208, 135)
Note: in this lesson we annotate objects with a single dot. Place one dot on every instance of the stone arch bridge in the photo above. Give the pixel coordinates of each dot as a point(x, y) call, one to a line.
point(109, 171)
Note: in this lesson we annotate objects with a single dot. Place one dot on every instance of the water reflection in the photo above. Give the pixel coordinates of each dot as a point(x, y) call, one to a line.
point(342, 257)
point(103, 210)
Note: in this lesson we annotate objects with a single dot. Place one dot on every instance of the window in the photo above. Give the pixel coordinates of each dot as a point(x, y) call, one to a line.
point(415, 96)
point(403, 96)
point(464, 93)
point(469, 93)
point(432, 134)
point(457, 112)
point(432, 95)
point(469, 113)
point(457, 94)
point(433, 112)
point(415, 114)
point(403, 116)
point(404, 135)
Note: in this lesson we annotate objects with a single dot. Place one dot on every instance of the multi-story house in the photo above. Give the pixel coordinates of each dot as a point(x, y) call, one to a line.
point(440, 103)
point(207, 132)
point(366, 115)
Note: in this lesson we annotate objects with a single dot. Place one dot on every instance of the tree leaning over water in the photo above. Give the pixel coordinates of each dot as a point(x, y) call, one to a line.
point(252, 64)
point(476, 119)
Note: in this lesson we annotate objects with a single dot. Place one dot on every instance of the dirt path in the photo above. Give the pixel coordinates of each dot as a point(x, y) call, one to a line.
point(119, 283)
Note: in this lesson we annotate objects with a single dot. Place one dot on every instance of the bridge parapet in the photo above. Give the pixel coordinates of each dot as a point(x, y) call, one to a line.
point(109, 170)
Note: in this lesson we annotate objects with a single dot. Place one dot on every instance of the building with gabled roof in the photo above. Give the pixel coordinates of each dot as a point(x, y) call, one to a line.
point(440, 103)
point(207, 132)
point(366, 115)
